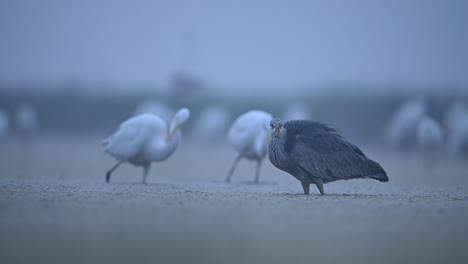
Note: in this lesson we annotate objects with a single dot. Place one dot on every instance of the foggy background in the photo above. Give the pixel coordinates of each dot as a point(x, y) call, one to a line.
point(269, 45)
point(86, 65)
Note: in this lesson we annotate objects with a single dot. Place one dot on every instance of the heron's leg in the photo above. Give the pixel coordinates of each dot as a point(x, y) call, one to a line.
point(305, 186)
point(231, 171)
point(108, 174)
point(319, 183)
point(146, 169)
point(257, 172)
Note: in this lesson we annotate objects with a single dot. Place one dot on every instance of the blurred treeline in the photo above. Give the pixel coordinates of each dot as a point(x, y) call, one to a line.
point(358, 114)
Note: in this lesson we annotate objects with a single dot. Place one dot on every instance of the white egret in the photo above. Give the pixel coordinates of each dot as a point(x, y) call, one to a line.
point(402, 127)
point(155, 107)
point(297, 111)
point(430, 139)
point(212, 124)
point(144, 139)
point(250, 136)
point(456, 113)
point(26, 120)
point(456, 125)
point(4, 124)
point(457, 140)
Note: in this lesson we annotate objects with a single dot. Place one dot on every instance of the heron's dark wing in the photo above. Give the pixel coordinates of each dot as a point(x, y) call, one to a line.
point(321, 152)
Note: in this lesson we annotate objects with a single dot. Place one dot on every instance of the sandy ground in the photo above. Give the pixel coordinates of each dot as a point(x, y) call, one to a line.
point(56, 207)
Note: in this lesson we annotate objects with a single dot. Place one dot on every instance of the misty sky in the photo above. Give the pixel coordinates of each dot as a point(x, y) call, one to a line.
point(235, 42)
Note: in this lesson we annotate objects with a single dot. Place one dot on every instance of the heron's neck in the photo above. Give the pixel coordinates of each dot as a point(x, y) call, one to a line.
point(281, 135)
point(275, 149)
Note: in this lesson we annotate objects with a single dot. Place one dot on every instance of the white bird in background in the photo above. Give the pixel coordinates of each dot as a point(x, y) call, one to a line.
point(155, 107)
point(402, 127)
point(430, 139)
point(456, 125)
point(212, 124)
point(26, 120)
point(144, 139)
point(457, 140)
point(297, 111)
point(456, 114)
point(4, 124)
point(250, 136)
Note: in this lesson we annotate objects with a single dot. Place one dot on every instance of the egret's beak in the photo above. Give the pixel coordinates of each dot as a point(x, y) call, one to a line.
point(173, 132)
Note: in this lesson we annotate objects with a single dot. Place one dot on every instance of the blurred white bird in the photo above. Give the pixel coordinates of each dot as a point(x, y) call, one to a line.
point(144, 139)
point(212, 124)
point(456, 114)
point(430, 138)
point(297, 111)
point(4, 124)
point(402, 127)
point(456, 125)
point(155, 107)
point(250, 136)
point(26, 120)
point(457, 140)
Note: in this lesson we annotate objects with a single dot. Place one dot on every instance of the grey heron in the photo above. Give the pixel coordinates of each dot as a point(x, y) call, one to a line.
point(314, 153)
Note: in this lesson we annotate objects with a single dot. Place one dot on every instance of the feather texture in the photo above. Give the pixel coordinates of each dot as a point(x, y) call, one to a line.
point(308, 149)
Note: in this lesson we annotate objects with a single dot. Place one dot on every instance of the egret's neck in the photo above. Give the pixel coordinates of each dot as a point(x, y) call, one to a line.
point(177, 121)
point(173, 126)
point(159, 150)
point(173, 132)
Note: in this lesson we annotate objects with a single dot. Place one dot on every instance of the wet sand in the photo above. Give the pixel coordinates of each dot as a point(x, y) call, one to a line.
point(56, 207)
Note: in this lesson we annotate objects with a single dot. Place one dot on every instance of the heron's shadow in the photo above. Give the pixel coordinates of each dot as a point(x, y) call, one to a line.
point(252, 183)
point(338, 195)
point(148, 184)
point(260, 183)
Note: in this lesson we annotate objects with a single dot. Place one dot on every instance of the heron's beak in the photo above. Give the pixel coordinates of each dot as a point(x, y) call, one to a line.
point(277, 131)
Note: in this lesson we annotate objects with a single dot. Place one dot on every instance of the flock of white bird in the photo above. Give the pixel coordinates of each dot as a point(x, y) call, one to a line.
point(24, 122)
point(412, 126)
point(149, 138)
point(154, 132)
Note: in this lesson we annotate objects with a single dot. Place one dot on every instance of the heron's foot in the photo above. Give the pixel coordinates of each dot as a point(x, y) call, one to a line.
point(144, 182)
point(305, 187)
point(108, 177)
point(319, 184)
